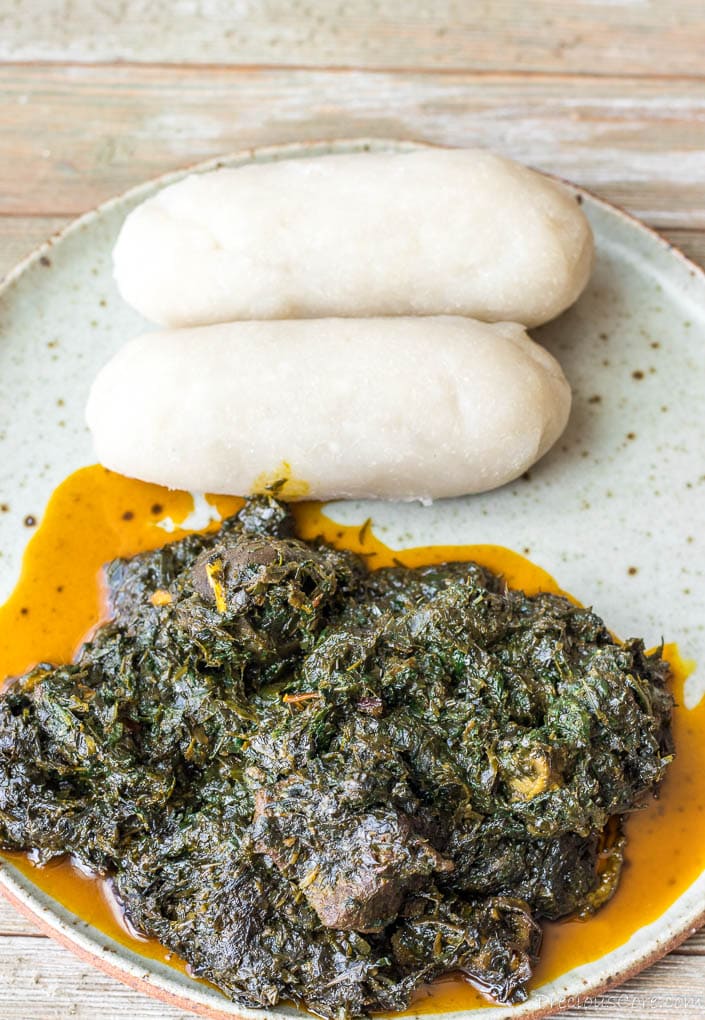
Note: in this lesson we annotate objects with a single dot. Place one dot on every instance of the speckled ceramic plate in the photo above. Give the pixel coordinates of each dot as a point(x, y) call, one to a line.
point(614, 512)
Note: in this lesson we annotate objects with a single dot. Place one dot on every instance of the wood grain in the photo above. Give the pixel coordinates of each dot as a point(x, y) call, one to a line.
point(618, 37)
point(73, 136)
point(690, 242)
point(56, 986)
point(14, 923)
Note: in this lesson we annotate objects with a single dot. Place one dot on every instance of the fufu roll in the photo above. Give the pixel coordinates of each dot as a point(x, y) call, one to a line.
point(425, 232)
point(390, 408)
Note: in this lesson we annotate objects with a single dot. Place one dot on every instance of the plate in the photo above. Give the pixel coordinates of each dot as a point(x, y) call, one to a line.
point(612, 512)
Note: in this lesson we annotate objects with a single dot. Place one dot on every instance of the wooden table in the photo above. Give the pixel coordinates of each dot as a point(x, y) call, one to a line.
point(97, 96)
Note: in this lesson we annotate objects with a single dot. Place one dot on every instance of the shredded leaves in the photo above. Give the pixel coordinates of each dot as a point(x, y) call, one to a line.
point(320, 783)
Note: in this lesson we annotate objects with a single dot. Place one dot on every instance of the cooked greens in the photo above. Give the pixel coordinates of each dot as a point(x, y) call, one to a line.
point(324, 784)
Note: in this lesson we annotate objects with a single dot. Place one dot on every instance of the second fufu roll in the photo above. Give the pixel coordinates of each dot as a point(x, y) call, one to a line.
point(396, 408)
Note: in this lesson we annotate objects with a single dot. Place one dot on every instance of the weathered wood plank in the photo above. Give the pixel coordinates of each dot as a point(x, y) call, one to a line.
point(55, 985)
point(695, 946)
point(690, 242)
point(19, 235)
point(73, 136)
point(13, 923)
point(41, 981)
point(546, 35)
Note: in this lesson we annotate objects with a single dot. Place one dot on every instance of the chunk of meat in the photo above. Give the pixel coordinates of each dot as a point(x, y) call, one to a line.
point(354, 869)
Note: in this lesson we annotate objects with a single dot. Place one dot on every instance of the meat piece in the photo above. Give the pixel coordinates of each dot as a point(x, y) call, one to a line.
point(353, 868)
